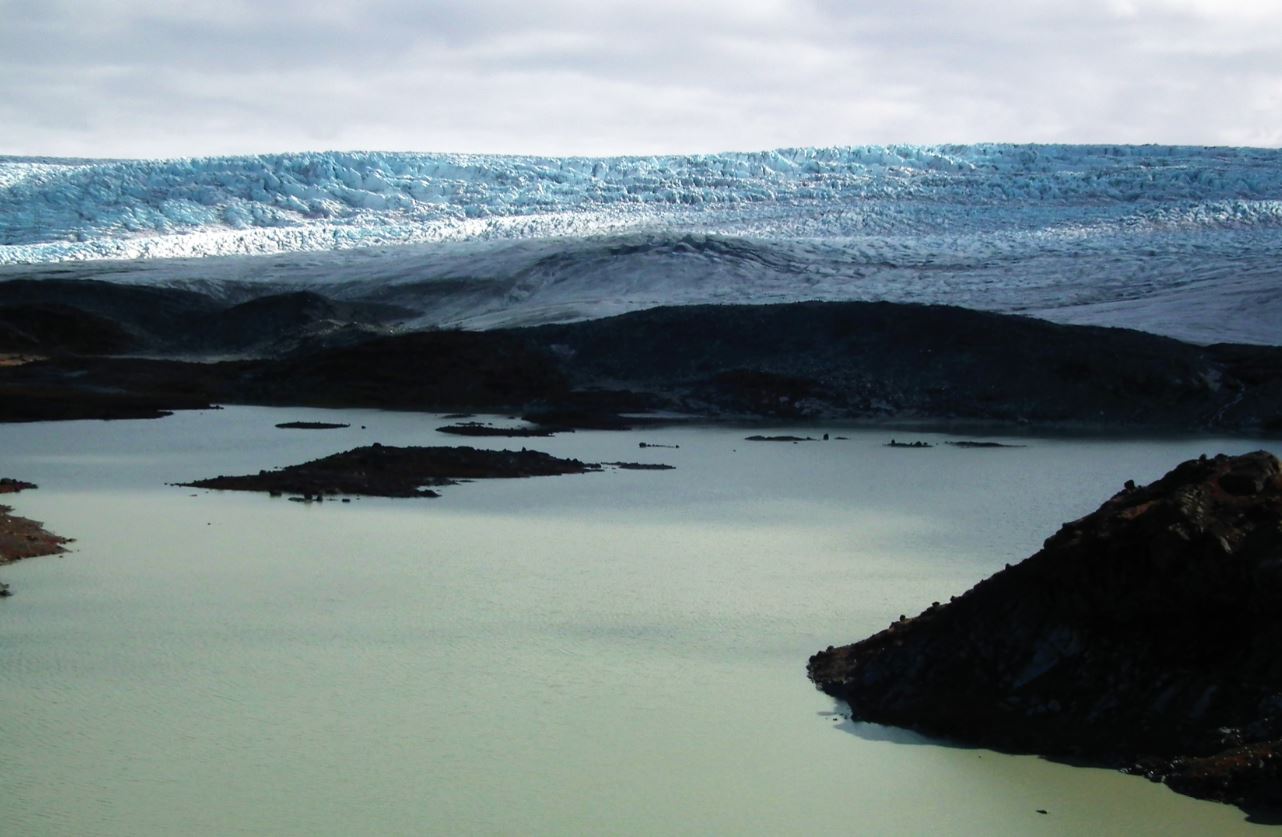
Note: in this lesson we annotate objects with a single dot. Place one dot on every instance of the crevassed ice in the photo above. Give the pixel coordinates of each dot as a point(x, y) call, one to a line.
point(1179, 241)
point(57, 210)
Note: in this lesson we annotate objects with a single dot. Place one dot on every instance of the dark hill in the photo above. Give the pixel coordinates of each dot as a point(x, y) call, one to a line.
point(288, 322)
point(51, 328)
point(175, 321)
point(430, 370)
point(892, 360)
point(150, 316)
point(855, 360)
point(1150, 631)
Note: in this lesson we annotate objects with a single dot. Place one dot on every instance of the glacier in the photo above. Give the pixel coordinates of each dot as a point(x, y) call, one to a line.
point(1182, 241)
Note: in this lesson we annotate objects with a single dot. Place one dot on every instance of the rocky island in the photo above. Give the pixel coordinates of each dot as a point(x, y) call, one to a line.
point(476, 428)
point(1146, 635)
point(312, 425)
point(387, 471)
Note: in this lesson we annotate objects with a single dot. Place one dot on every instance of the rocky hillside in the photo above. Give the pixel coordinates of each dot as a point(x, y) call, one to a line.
point(886, 360)
point(1148, 633)
point(83, 316)
point(842, 360)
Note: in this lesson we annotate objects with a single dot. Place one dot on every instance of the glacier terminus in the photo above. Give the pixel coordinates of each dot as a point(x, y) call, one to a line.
point(1180, 241)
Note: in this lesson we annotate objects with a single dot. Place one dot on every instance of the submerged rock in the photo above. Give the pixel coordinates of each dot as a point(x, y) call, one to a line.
point(1147, 633)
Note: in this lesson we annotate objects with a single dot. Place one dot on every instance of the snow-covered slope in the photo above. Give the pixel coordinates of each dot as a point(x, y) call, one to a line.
point(1183, 241)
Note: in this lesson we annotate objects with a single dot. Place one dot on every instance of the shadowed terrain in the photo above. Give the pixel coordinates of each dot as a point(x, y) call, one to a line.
point(90, 355)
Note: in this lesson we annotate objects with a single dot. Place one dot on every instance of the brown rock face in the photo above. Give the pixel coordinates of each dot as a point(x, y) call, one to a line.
point(1149, 630)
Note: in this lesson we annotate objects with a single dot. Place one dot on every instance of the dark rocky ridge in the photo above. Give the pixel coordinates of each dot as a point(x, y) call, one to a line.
point(52, 328)
point(73, 387)
point(867, 361)
point(89, 316)
point(886, 360)
point(146, 317)
point(434, 370)
point(1148, 632)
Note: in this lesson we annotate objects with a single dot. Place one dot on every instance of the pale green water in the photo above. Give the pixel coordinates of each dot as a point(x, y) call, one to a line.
point(616, 653)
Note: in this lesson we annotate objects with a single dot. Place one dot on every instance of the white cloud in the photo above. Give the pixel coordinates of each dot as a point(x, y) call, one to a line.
point(152, 78)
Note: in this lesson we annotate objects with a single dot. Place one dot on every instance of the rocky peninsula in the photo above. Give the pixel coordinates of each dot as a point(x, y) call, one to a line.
point(1144, 635)
point(22, 538)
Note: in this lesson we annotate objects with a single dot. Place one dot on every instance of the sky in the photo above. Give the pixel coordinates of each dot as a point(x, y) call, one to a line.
point(177, 78)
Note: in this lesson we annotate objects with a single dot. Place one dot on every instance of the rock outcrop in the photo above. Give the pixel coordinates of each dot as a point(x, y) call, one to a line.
point(1148, 634)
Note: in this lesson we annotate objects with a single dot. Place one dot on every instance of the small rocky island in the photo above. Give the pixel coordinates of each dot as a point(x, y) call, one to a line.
point(386, 471)
point(476, 428)
point(311, 425)
point(1146, 635)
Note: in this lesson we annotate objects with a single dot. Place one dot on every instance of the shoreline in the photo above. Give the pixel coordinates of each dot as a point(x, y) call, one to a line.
point(22, 537)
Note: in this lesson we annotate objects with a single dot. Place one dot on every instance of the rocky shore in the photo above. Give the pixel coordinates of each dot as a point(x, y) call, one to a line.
point(1145, 635)
point(22, 538)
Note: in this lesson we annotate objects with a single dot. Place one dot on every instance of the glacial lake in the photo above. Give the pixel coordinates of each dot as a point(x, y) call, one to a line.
point(613, 653)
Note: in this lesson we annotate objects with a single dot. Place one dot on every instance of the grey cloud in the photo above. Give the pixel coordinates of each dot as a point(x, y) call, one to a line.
point(144, 77)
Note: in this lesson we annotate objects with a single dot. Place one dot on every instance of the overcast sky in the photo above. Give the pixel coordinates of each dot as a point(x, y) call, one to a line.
point(148, 78)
